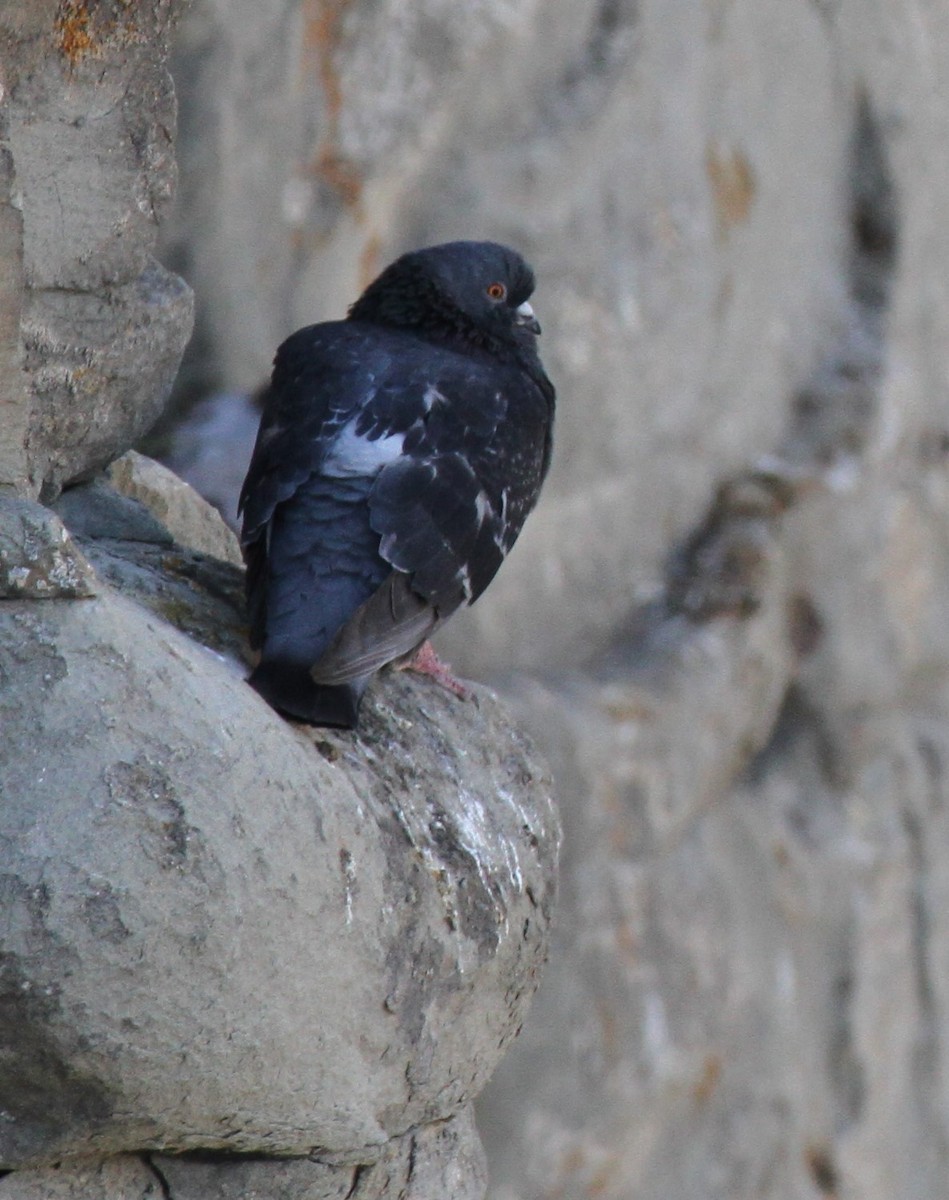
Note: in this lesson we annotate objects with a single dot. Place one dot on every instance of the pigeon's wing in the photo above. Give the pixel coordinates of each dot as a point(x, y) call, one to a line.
point(446, 508)
point(390, 624)
point(319, 377)
point(322, 376)
point(452, 505)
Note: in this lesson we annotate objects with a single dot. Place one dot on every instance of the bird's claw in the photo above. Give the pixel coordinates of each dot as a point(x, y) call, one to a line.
point(426, 662)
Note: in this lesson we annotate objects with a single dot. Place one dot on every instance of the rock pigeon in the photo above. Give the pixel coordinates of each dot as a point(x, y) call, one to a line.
point(399, 453)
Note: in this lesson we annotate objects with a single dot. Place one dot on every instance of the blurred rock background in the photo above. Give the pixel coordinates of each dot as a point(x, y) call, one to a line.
point(728, 619)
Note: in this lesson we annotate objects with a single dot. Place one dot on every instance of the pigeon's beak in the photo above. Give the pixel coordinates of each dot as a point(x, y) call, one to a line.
point(525, 316)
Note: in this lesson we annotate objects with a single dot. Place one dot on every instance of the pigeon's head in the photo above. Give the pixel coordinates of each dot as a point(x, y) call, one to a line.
point(476, 292)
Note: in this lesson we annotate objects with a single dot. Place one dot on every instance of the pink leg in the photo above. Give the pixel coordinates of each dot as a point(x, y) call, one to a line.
point(426, 662)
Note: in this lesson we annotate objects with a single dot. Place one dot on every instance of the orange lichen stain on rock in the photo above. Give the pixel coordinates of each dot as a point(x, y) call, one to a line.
point(340, 174)
point(322, 27)
point(708, 1080)
point(72, 25)
point(369, 261)
point(732, 180)
point(573, 1160)
point(627, 942)
point(578, 1176)
point(321, 31)
point(626, 707)
point(820, 1164)
point(603, 1180)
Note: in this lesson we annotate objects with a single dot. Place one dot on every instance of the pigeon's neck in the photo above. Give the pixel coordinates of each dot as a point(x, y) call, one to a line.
point(441, 325)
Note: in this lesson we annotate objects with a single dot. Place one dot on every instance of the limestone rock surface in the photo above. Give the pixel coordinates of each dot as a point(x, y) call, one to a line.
point(95, 326)
point(38, 558)
point(124, 1177)
point(225, 932)
point(190, 520)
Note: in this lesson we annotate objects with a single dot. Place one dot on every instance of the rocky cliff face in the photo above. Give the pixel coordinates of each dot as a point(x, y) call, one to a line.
point(733, 596)
point(94, 326)
point(236, 957)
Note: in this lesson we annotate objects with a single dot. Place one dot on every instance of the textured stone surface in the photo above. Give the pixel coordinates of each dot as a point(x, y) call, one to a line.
point(88, 120)
point(13, 409)
point(440, 1160)
point(353, 928)
point(124, 1177)
point(736, 211)
point(747, 988)
point(38, 558)
point(131, 549)
point(190, 520)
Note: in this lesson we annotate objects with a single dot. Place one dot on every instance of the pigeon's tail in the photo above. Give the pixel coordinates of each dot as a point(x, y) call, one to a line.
point(289, 688)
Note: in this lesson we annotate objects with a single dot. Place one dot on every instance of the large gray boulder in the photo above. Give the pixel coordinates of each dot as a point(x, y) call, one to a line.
point(226, 932)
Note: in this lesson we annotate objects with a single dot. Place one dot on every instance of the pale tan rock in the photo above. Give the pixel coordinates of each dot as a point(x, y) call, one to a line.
point(187, 516)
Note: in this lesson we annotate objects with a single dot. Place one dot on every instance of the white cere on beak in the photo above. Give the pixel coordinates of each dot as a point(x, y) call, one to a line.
point(525, 316)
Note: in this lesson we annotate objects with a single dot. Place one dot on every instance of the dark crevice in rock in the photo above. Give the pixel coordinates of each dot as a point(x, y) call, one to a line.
point(832, 416)
point(874, 213)
point(162, 1182)
point(802, 740)
point(822, 1170)
point(927, 1068)
point(921, 930)
point(359, 1174)
point(413, 1149)
point(844, 1064)
point(722, 568)
point(587, 80)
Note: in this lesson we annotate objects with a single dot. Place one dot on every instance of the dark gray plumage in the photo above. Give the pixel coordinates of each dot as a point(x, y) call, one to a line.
point(399, 453)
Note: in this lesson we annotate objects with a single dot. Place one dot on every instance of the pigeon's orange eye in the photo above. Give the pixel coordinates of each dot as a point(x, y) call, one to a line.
point(497, 291)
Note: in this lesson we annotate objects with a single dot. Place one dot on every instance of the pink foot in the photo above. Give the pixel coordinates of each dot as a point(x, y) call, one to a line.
point(426, 662)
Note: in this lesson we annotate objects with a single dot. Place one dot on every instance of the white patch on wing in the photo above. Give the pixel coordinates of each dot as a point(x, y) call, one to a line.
point(432, 397)
point(501, 534)
point(267, 435)
point(483, 506)
point(355, 454)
